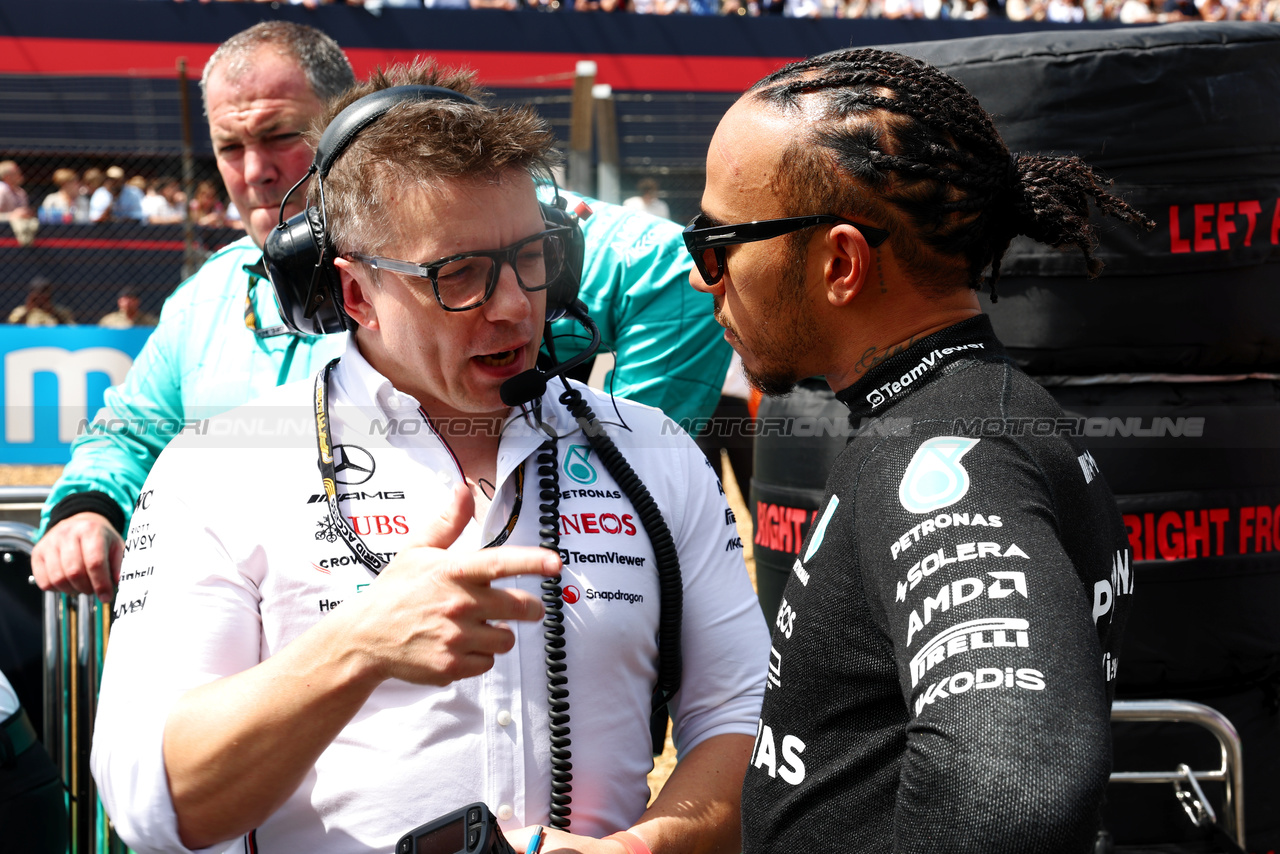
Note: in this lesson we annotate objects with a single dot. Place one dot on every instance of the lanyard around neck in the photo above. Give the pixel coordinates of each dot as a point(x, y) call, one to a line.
point(372, 561)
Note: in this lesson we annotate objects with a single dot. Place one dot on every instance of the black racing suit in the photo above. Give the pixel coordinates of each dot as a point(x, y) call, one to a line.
point(944, 654)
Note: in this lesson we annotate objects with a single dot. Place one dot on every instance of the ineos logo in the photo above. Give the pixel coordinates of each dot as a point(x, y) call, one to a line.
point(354, 462)
point(571, 594)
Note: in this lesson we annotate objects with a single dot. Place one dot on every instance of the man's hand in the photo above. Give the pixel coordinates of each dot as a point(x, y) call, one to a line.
point(423, 620)
point(559, 842)
point(432, 617)
point(80, 554)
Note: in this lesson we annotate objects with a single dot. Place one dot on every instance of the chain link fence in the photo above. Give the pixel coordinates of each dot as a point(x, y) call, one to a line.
point(122, 199)
point(118, 214)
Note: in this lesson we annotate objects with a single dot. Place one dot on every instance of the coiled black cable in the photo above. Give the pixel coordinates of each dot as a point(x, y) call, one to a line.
point(553, 635)
point(666, 559)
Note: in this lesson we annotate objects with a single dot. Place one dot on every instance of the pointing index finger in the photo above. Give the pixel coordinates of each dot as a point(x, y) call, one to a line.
point(487, 565)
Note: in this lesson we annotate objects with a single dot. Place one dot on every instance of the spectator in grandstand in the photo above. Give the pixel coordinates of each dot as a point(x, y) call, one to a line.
point(221, 340)
point(1137, 12)
point(802, 8)
point(1065, 11)
point(164, 202)
point(39, 308)
point(1180, 10)
point(15, 207)
point(646, 199)
point(128, 313)
point(102, 202)
point(13, 199)
point(206, 208)
point(65, 204)
point(89, 184)
point(128, 204)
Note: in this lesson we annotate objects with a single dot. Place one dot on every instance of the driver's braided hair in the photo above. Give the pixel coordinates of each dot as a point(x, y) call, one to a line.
point(927, 163)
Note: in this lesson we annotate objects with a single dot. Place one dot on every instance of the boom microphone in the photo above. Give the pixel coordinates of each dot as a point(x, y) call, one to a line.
point(531, 384)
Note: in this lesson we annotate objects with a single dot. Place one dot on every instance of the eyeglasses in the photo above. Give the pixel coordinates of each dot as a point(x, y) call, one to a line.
point(706, 242)
point(467, 280)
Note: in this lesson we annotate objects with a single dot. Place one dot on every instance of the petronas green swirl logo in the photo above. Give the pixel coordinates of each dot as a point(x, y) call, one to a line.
point(577, 465)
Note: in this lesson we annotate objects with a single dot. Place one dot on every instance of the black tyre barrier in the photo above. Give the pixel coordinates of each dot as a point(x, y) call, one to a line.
point(1182, 117)
point(797, 439)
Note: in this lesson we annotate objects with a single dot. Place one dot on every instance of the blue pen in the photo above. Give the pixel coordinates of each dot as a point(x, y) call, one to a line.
point(535, 841)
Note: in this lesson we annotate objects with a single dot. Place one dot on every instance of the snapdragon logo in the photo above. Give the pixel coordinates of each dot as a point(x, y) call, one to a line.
point(572, 595)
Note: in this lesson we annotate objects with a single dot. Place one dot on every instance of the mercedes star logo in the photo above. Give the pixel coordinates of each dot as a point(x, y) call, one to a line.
point(353, 464)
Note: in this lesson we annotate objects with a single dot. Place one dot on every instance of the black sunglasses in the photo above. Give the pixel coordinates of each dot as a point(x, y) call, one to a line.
point(707, 242)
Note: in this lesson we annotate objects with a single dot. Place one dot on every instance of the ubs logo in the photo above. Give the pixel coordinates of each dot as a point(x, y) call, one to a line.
point(353, 465)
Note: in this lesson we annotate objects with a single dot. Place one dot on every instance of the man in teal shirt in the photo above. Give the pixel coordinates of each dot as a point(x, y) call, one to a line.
point(220, 341)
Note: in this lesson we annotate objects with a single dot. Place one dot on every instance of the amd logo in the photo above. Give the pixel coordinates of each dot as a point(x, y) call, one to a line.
point(385, 495)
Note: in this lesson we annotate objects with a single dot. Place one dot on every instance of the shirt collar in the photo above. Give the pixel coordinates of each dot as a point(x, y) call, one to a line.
point(900, 376)
point(358, 384)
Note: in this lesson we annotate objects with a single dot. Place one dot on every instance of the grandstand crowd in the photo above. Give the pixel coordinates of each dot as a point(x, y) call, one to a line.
point(105, 195)
point(1059, 11)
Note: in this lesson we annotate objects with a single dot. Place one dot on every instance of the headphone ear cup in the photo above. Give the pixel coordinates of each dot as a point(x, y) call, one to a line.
point(328, 310)
point(308, 288)
point(562, 292)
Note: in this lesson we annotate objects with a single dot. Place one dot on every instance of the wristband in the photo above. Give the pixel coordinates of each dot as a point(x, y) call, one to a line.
point(628, 840)
point(95, 502)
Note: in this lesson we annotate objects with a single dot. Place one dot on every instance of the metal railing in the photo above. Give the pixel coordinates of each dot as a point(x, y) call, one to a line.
point(75, 632)
point(1230, 772)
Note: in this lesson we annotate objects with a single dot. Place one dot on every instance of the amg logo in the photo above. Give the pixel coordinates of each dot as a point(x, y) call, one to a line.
point(385, 495)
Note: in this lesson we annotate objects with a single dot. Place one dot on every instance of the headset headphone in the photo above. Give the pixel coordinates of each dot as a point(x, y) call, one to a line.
point(299, 256)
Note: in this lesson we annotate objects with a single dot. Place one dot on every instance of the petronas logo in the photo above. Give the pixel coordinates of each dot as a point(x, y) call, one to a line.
point(577, 465)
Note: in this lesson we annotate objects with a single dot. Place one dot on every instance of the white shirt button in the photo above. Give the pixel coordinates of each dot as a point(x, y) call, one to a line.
point(393, 402)
point(505, 812)
point(504, 718)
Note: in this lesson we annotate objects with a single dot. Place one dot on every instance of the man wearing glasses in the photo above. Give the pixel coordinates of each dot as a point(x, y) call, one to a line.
point(221, 342)
point(943, 657)
point(317, 660)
